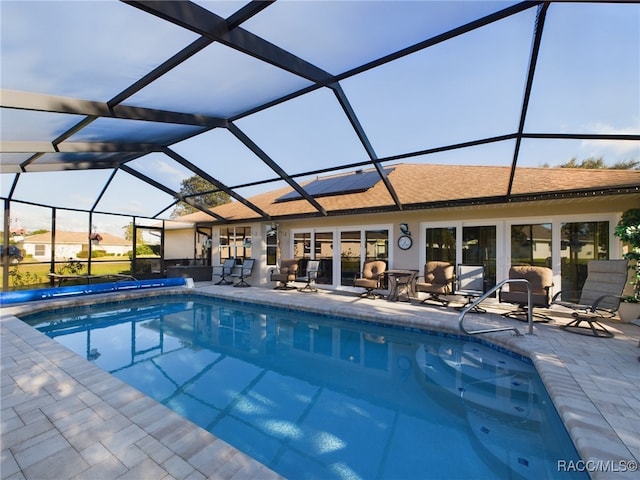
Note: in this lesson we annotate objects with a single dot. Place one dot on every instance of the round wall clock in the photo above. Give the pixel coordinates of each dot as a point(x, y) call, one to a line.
point(405, 242)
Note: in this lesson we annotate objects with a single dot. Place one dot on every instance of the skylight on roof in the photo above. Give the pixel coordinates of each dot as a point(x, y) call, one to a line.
point(356, 182)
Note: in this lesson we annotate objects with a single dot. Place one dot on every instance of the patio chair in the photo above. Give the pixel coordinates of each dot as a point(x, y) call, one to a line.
point(371, 277)
point(438, 280)
point(225, 270)
point(286, 274)
point(471, 282)
point(599, 298)
point(245, 270)
point(310, 277)
point(541, 281)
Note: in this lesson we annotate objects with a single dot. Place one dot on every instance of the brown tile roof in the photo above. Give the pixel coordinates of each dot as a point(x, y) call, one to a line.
point(425, 183)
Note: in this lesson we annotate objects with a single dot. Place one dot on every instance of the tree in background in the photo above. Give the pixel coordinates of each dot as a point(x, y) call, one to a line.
point(599, 163)
point(202, 192)
point(128, 234)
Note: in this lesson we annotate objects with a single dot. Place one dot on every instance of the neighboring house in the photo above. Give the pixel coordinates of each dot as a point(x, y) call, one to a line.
point(558, 217)
point(70, 244)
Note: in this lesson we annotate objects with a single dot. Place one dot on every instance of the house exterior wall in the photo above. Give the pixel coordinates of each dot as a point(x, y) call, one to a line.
point(178, 243)
point(502, 216)
point(69, 250)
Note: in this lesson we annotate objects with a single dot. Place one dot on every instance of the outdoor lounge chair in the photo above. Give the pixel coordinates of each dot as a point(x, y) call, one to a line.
point(245, 270)
point(286, 274)
point(471, 282)
point(541, 281)
point(438, 280)
point(225, 270)
point(371, 277)
point(599, 298)
point(310, 277)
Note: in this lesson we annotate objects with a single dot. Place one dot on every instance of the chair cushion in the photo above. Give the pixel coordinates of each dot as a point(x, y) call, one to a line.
point(288, 265)
point(371, 274)
point(538, 277)
point(287, 272)
point(604, 277)
point(366, 282)
point(432, 287)
point(520, 298)
point(282, 277)
point(438, 272)
point(373, 269)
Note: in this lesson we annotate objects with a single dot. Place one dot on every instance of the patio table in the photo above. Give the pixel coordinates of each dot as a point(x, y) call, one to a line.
point(402, 284)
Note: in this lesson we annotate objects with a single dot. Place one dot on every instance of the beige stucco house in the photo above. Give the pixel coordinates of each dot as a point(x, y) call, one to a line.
point(70, 244)
point(558, 217)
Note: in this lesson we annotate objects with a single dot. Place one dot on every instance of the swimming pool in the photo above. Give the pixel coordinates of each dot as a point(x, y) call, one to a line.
point(322, 397)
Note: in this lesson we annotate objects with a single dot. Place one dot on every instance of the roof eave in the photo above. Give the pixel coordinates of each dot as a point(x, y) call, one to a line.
point(462, 202)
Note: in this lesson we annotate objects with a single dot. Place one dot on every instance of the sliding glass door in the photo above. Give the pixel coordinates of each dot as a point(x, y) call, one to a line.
point(350, 253)
point(579, 243)
point(359, 246)
point(477, 246)
point(315, 246)
point(339, 265)
point(323, 251)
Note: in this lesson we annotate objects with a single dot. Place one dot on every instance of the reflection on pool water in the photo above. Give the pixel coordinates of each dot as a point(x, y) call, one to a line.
point(320, 397)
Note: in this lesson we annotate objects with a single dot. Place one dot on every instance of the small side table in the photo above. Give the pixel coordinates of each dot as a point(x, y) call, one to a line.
point(402, 285)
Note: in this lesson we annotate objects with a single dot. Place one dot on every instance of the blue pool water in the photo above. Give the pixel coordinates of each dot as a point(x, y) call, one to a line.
point(321, 397)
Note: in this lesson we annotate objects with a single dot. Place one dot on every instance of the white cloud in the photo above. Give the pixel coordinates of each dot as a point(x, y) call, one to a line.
point(622, 149)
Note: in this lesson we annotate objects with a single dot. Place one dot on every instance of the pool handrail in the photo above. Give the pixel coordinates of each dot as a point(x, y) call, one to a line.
point(485, 296)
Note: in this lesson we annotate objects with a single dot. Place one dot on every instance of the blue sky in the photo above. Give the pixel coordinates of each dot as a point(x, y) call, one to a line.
point(471, 87)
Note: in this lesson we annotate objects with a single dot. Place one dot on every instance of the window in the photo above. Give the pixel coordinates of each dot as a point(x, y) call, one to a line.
point(531, 244)
point(441, 244)
point(235, 242)
point(272, 244)
point(579, 243)
point(302, 245)
point(377, 245)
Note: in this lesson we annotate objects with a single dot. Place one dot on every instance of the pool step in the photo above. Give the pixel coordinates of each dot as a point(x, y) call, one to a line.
point(517, 445)
point(456, 365)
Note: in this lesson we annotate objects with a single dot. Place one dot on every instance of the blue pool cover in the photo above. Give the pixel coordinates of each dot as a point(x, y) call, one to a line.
point(20, 296)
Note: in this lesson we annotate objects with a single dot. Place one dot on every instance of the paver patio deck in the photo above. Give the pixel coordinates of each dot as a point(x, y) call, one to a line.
point(64, 418)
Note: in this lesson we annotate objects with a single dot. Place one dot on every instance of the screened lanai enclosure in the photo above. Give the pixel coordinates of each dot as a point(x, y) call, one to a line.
point(109, 107)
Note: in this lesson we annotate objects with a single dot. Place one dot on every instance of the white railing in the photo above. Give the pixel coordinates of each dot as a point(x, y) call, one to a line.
point(485, 296)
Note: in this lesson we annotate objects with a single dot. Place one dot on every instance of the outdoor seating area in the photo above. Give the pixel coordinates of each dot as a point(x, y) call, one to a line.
point(234, 272)
point(600, 297)
point(444, 285)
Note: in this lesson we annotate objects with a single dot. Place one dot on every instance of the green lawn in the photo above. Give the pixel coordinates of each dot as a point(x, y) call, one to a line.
point(34, 275)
